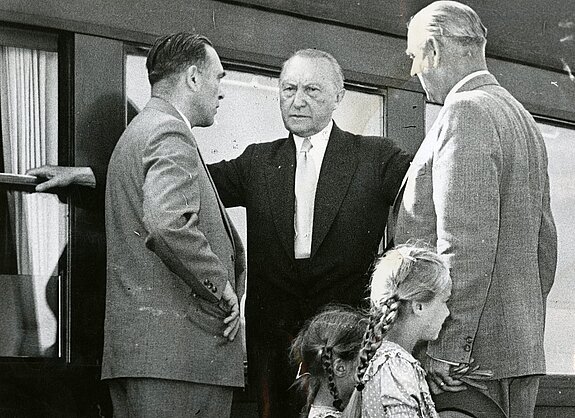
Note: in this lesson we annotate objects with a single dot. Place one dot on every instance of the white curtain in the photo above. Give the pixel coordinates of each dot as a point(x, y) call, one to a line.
point(29, 108)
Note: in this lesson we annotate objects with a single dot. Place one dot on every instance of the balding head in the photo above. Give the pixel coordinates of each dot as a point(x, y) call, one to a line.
point(450, 21)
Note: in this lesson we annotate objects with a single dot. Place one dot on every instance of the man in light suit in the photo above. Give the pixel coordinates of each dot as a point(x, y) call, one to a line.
point(308, 243)
point(478, 188)
point(173, 346)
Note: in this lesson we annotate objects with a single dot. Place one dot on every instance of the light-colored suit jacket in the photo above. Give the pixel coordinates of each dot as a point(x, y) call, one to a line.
point(171, 249)
point(478, 188)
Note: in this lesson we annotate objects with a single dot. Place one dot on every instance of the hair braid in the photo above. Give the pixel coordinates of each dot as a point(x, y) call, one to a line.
point(380, 322)
point(327, 364)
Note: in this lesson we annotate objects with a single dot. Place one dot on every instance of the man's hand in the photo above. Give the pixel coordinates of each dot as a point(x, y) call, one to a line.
point(233, 319)
point(59, 176)
point(439, 379)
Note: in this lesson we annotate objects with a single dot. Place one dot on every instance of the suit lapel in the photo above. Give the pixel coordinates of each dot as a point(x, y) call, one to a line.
point(280, 181)
point(337, 170)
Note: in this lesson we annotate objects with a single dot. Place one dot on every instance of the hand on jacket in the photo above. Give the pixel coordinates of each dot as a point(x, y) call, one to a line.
point(232, 321)
point(439, 378)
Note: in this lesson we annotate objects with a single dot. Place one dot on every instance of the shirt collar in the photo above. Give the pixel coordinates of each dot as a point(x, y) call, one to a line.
point(184, 118)
point(464, 80)
point(321, 138)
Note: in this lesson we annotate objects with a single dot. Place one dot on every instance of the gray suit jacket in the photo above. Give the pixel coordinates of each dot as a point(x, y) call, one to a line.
point(171, 249)
point(478, 188)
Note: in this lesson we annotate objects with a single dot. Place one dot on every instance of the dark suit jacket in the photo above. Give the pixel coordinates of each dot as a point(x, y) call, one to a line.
point(358, 181)
point(171, 250)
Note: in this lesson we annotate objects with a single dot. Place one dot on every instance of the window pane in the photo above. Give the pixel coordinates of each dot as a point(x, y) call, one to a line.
point(33, 226)
point(560, 325)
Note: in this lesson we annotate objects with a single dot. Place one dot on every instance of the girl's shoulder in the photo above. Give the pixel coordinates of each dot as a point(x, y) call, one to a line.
point(323, 412)
point(390, 354)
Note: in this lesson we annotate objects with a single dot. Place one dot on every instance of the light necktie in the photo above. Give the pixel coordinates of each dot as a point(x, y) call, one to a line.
point(305, 185)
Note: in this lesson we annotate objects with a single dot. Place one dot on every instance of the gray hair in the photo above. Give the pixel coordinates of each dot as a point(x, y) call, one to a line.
point(453, 20)
point(311, 53)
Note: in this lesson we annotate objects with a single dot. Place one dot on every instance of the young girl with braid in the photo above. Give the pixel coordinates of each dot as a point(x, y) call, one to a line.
point(327, 348)
point(410, 286)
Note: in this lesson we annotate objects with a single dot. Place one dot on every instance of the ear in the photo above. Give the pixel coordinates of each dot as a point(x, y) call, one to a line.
point(433, 49)
point(417, 308)
point(340, 367)
point(338, 98)
point(192, 75)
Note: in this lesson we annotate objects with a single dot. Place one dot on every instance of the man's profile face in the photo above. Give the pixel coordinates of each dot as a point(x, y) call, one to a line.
point(210, 75)
point(308, 95)
point(422, 62)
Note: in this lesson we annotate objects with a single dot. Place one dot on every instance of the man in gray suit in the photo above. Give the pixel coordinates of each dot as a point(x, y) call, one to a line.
point(173, 344)
point(478, 188)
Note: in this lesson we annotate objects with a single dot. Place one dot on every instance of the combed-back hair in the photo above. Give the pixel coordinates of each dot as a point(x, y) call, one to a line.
point(173, 53)
point(406, 273)
point(337, 78)
point(334, 333)
point(453, 20)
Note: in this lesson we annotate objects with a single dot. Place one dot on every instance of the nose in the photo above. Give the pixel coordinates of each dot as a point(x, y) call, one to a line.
point(413, 70)
point(299, 98)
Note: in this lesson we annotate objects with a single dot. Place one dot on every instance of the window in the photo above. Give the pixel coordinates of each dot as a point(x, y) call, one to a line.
point(33, 226)
point(560, 327)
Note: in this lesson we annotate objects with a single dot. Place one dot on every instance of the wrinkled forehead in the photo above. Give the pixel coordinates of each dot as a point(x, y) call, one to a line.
point(307, 70)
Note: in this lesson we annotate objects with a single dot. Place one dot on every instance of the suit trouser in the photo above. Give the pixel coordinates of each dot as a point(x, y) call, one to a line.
point(516, 395)
point(157, 398)
point(271, 373)
point(272, 378)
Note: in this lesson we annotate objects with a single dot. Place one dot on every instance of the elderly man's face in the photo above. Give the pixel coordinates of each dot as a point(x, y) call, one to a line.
point(308, 95)
point(422, 59)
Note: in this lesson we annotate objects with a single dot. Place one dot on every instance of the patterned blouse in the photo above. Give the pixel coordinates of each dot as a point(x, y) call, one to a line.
point(323, 412)
point(395, 386)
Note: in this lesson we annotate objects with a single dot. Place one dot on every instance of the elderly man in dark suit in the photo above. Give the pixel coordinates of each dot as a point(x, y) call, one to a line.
point(478, 188)
point(172, 347)
point(317, 204)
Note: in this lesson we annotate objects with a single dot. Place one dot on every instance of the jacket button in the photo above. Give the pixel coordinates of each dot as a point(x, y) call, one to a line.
point(469, 340)
point(206, 282)
point(467, 348)
point(214, 289)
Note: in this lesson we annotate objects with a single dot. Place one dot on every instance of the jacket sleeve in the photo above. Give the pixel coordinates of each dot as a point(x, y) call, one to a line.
point(232, 178)
point(171, 213)
point(547, 251)
point(395, 163)
point(466, 175)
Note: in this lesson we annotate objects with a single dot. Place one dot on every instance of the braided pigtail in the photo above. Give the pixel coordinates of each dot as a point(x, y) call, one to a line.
point(327, 364)
point(381, 320)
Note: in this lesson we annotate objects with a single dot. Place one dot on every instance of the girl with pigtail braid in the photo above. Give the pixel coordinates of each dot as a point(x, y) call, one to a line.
point(326, 349)
point(409, 289)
